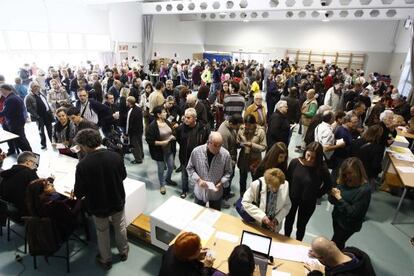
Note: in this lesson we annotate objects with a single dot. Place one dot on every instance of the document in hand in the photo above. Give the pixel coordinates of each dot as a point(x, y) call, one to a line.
point(211, 186)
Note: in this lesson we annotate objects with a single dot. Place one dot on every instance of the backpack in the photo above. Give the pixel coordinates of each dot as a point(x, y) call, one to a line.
point(242, 212)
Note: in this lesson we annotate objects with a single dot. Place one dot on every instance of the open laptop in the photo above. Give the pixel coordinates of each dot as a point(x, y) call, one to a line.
point(260, 245)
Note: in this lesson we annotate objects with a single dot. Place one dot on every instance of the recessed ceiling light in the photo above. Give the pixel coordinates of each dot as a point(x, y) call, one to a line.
point(246, 20)
point(325, 20)
point(223, 13)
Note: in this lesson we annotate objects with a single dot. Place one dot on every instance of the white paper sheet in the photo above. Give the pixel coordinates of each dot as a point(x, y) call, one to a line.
point(209, 217)
point(280, 273)
point(290, 252)
point(405, 169)
point(227, 237)
point(204, 231)
point(403, 157)
point(211, 186)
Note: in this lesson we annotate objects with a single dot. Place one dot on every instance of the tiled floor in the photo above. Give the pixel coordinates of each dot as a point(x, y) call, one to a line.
point(388, 245)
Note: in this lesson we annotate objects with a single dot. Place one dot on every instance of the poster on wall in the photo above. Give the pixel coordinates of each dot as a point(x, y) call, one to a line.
point(122, 48)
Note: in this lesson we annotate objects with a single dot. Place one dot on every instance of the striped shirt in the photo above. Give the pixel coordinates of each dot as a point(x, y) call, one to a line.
point(233, 103)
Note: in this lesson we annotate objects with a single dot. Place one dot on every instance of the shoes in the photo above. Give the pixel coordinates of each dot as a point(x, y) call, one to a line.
point(163, 190)
point(104, 265)
point(170, 182)
point(123, 257)
point(183, 195)
point(230, 195)
point(225, 206)
point(179, 169)
point(43, 147)
point(136, 162)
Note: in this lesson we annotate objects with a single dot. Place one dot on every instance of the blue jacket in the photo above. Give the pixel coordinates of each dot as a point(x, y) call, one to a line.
point(14, 111)
point(21, 90)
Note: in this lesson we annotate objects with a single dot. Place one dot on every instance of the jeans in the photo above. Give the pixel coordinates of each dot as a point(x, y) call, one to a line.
point(214, 204)
point(169, 161)
point(305, 209)
point(213, 92)
point(102, 234)
point(184, 179)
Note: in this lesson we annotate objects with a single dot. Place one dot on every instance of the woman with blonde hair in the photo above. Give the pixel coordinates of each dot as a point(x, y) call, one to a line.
point(351, 200)
point(267, 200)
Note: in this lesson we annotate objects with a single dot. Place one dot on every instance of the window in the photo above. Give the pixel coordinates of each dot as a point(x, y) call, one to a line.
point(97, 42)
point(39, 41)
point(18, 40)
point(406, 81)
point(59, 41)
point(75, 41)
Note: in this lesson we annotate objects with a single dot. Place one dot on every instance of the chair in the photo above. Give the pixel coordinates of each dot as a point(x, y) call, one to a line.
point(10, 213)
point(44, 239)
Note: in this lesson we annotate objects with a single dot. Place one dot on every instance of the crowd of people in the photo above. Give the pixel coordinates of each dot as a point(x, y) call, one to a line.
point(243, 115)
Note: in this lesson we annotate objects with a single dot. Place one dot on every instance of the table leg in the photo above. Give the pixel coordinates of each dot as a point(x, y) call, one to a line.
point(399, 205)
point(387, 165)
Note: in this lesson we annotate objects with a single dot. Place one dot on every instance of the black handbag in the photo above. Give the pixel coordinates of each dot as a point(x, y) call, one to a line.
point(242, 212)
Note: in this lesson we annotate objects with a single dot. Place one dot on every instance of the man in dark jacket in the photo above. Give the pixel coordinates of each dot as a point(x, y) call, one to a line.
point(134, 130)
point(349, 262)
point(14, 114)
point(95, 112)
point(99, 180)
point(190, 134)
point(279, 127)
point(16, 179)
point(40, 112)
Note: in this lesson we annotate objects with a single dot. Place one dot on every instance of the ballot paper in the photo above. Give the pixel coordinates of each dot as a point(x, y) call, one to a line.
point(60, 146)
point(405, 169)
point(291, 252)
point(340, 141)
point(403, 157)
point(208, 217)
point(280, 273)
point(227, 237)
point(202, 230)
point(211, 186)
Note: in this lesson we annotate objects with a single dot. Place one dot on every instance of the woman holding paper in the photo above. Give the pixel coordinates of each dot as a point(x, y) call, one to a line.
point(351, 199)
point(267, 199)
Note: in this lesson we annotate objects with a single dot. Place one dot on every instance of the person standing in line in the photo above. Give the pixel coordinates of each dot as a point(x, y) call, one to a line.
point(99, 180)
point(209, 169)
point(276, 157)
point(40, 112)
point(134, 129)
point(14, 114)
point(309, 179)
point(351, 200)
point(308, 110)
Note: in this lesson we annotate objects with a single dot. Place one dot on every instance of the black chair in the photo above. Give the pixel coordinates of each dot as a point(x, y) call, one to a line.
point(11, 214)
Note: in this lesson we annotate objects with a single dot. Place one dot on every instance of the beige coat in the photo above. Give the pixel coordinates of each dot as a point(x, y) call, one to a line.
point(254, 156)
point(258, 213)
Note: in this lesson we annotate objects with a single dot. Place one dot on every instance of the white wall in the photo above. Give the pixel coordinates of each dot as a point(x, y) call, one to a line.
point(402, 44)
point(172, 36)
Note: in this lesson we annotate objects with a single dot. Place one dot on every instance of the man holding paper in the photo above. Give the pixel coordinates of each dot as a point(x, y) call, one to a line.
point(209, 169)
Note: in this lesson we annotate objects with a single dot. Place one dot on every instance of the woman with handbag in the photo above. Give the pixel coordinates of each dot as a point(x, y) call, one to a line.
point(267, 200)
point(252, 139)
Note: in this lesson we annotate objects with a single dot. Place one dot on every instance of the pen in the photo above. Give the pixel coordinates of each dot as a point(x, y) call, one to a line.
point(277, 266)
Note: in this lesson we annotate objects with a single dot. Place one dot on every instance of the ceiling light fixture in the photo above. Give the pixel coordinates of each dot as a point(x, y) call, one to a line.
point(246, 21)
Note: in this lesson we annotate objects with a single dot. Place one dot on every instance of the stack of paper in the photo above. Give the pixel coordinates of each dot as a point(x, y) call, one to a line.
point(290, 252)
point(202, 230)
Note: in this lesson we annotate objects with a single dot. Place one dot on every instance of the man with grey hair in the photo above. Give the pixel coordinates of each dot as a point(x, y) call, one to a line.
point(389, 132)
point(279, 127)
point(17, 178)
point(350, 261)
point(325, 136)
point(200, 108)
point(40, 112)
point(209, 170)
point(190, 134)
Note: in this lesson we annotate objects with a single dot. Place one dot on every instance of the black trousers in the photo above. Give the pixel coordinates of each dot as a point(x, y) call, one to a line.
point(41, 125)
point(305, 209)
point(214, 204)
point(21, 142)
point(243, 179)
point(340, 235)
point(137, 150)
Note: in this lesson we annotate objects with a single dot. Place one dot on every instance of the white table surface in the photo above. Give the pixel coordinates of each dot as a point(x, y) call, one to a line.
point(6, 136)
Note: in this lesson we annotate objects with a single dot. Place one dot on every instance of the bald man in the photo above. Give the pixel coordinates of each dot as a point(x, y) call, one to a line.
point(209, 170)
point(351, 261)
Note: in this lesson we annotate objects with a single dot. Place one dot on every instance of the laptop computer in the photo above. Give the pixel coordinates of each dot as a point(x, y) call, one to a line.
point(260, 245)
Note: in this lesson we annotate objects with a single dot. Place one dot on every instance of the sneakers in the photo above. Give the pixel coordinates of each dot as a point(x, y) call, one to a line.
point(183, 195)
point(170, 182)
point(163, 190)
point(123, 257)
point(104, 265)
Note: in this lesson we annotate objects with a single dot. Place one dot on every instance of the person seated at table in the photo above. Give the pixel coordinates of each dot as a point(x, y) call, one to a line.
point(43, 201)
point(241, 262)
point(410, 123)
point(63, 129)
point(186, 258)
point(16, 179)
point(351, 261)
point(267, 199)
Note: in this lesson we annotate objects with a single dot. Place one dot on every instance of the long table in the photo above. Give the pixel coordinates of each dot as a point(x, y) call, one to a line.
point(406, 178)
point(63, 168)
point(177, 215)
